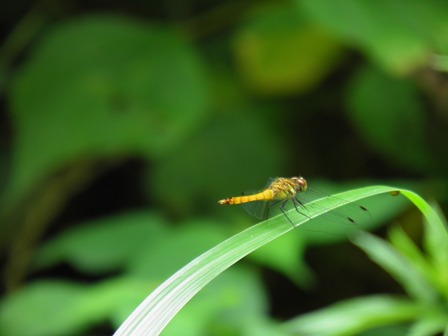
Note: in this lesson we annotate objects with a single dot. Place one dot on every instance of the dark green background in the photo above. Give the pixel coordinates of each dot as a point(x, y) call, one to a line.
point(123, 123)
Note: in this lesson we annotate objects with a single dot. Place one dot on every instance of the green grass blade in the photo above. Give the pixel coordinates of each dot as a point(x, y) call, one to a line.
point(354, 316)
point(430, 214)
point(413, 272)
point(152, 315)
point(436, 246)
point(161, 306)
point(385, 255)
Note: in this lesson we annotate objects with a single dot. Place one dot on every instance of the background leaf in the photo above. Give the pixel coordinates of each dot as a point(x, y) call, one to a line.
point(279, 52)
point(397, 35)
point(105, 96)
point(354, 316)
point(394, 105)
point(88, 247)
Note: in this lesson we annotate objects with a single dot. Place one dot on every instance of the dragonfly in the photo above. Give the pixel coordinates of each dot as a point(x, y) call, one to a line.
point(293, 190)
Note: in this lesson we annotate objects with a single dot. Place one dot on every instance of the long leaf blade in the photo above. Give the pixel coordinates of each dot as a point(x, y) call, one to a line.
point(152, 315)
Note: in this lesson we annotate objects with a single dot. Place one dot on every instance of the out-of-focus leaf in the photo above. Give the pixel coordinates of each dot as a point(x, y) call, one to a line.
point(278, 52)
point(399, 35)
point(429, 325)
point(436, 245)
point(103, 86)
point(104, 245)
point(233, 303)
point(264, 328)
point(354, 316)
point(413, 254)
point(390, 117)
point(440, 62)
point(48, 308)
point(226, 158)
point(286, 255)
point(385, 255)
point(159, 258)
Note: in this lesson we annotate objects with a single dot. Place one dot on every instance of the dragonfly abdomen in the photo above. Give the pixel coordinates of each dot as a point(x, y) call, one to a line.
point(265, 195)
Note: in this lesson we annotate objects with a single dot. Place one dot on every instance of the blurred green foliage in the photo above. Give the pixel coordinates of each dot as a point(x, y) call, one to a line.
point(395, 105)
point(107, 94)
point(186, 103)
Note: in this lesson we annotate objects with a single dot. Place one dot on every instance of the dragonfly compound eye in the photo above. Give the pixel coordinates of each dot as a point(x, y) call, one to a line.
point(300, 182)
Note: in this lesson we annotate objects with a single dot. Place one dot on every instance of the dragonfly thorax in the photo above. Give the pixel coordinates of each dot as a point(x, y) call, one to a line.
point(286, 188)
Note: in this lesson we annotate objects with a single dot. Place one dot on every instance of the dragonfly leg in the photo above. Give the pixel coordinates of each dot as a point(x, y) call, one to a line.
point(282, 208)
point(296, 202)
point(296, 199)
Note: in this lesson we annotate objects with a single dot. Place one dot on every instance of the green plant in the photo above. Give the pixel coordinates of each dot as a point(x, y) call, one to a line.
point(427, 289)
point(121, 125)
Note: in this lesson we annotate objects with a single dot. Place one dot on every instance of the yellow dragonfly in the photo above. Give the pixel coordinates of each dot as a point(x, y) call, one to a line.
point(285, 190)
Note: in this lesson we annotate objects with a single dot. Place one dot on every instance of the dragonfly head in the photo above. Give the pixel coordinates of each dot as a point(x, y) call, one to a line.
point(300, 183)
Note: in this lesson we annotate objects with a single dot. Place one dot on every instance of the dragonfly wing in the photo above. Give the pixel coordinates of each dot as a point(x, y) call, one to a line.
point(258, 209)
point(350, 213)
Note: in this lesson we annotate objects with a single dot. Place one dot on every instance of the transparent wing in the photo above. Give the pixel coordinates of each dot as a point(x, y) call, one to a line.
point(348, 218)
point(258, 209)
